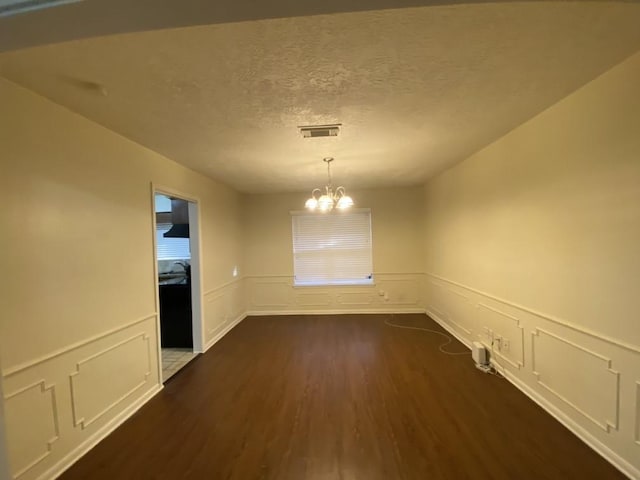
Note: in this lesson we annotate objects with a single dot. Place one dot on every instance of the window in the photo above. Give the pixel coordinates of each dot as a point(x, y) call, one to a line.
point(171, 248)
point(332, 249)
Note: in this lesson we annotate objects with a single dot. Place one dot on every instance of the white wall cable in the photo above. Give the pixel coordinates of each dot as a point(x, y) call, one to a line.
point(440, 347)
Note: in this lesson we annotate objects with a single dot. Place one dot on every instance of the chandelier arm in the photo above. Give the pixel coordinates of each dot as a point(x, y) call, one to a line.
point(328, 198)
point(328, 161)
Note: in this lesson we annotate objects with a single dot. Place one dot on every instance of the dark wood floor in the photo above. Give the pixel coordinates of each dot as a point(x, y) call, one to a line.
point(339, 397)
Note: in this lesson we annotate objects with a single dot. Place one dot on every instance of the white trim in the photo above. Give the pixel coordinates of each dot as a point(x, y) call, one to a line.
point(637, 437)
point(368, 311)
point(156, 287)
point(197, 296)
point(74, 346)
point(572, 326)
point(78, 452)
point(163, 190)
point(224, 285)
point(448, 328)
point(82, 421)
point(599, 447)
point(44, 388)
point(4, 454)
point(605, 424)
point(195, 239)
point(224, 331)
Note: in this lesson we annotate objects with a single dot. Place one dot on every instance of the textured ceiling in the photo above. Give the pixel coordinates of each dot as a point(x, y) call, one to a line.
point(416, 89)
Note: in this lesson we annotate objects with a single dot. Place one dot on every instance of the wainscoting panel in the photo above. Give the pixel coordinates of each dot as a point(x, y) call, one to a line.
point(32, 425)
point(507, 326)
point(638, 413)
point(391, 292)
point(59, 405)
point(224, 307)
point(355, 298)
point(270, 292)
point(312, 299)
point(586, 380)
point(401, 291)
point(215, 308)
point(455, 308)
point(106, 378)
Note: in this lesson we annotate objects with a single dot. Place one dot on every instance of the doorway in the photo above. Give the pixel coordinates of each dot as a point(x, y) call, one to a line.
point(177, 257)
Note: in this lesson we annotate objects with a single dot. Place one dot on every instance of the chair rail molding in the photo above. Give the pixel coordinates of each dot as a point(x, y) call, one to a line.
point(586, 379)
point(75, 346)
point(619, 343)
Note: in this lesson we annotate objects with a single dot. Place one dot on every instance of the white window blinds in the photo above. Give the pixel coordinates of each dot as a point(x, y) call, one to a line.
point(332, 249)
point(171, 248)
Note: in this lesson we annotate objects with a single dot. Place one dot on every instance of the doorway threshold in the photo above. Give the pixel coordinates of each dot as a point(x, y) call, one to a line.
point(173, 359)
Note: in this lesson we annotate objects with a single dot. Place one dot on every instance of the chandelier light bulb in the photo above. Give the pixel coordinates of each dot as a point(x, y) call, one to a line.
point(311, 204)
point(325, 202)
point(345, 202)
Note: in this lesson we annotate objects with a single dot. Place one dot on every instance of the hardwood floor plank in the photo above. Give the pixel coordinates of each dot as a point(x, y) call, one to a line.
point(339, 397)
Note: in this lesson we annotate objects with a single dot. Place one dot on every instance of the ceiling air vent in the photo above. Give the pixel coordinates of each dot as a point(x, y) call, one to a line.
point(313, 131)
point(13, 7)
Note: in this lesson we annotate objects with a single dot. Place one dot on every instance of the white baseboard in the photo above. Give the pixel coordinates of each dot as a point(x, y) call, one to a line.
point(370, 311)
point(72, 457)
point(224, 331)
point(449, 329)
point(609, 455)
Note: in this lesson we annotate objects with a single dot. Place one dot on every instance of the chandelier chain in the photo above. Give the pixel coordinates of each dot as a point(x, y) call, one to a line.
point(331, 198)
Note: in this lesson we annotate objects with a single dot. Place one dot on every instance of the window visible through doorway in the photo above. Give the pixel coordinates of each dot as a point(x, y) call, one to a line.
point(332, 249)
point(171, 248)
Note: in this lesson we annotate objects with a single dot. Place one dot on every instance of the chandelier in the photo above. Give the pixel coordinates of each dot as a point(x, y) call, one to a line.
point(328, 199)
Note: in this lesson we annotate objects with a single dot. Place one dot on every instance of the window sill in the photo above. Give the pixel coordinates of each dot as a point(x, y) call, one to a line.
point(367, 283)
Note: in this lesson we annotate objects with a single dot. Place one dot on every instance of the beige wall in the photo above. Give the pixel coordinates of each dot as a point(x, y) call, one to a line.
point(78, 287)
point(537, 237)
point(396, 224)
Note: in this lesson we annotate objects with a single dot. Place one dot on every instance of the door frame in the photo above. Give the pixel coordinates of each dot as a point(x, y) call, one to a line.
point(195, 243)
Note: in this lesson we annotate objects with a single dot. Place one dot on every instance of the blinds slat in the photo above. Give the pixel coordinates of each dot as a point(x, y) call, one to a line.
point(332, 249)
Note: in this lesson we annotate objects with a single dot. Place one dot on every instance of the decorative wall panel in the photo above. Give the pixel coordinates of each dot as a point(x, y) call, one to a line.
point(106, 378)
point(356, 298)
point(32, 425)
point(270, 294)
point(637, 413)
point(312, 299)
point(507, 326)
point(583, 379)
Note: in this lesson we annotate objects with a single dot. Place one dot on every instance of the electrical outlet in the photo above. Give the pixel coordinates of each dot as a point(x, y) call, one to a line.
point(498, 342)
point(506, 344)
